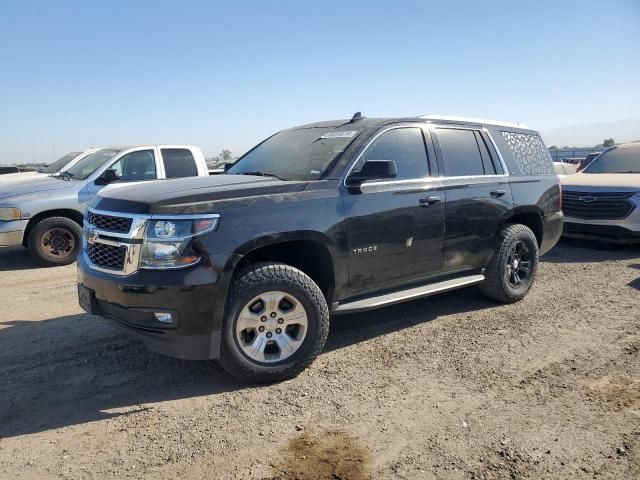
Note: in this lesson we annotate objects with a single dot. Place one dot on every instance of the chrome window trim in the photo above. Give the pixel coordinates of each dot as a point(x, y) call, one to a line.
point(430, 126)
point(136, 232)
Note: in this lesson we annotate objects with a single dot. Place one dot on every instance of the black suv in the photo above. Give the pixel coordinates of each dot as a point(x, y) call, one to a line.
point(323, 219)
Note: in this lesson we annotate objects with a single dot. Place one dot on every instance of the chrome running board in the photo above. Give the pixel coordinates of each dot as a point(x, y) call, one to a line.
point(407, 295)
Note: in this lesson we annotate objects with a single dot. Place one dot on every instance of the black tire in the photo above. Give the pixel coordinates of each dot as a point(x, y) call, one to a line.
point(67, 235)
point(501, 278)
point(260, 279)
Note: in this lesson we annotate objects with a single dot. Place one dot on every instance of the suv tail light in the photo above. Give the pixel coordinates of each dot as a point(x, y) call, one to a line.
point(560, 186)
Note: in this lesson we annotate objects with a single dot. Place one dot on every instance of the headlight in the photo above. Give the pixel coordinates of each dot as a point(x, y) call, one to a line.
point(10, 213)
point(167, 242)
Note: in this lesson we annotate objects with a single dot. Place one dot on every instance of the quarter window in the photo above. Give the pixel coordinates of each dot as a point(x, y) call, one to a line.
point(179, 162)
point(461, 153)
point(405, 146)
point(136, 166)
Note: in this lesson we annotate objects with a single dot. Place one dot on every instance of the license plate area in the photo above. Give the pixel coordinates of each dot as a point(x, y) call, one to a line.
point(87, 300)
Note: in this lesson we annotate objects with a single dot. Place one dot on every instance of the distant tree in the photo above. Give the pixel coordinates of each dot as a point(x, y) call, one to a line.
point(608, 142)
point(553, 147)
point(225, 156)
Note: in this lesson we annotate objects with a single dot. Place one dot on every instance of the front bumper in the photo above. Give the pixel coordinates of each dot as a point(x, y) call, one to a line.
point(12, 233)
point(194, 296)
point(623, 231)
point(601, 233)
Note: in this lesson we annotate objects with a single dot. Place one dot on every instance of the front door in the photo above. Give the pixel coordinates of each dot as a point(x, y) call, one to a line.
point(135, 166)
point(395, 227)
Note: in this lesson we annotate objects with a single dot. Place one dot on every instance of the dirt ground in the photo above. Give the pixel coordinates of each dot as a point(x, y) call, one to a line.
point(450, 387)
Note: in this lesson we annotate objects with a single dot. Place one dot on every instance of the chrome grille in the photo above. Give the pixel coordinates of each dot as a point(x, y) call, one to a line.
point(597, 205)
point(109, 223)
point(107, 256)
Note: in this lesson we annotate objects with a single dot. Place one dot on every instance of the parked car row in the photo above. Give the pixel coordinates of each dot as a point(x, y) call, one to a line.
point(323, 219)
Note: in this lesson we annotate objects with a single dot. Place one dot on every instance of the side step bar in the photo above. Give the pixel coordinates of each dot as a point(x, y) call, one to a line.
point(406, 295)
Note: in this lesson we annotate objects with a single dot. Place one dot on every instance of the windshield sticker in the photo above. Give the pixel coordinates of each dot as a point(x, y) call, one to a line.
point(340, 134)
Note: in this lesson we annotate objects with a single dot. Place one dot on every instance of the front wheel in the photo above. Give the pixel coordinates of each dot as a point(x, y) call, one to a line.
point(512, 270)
point(276, 323)
point(55, 241)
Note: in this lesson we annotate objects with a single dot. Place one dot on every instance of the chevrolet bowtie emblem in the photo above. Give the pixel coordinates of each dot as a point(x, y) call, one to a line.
point(92, 237)
point(587, 199)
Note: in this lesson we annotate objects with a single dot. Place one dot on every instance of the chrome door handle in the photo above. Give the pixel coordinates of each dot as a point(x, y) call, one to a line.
point(497, 193)
point(428, 201)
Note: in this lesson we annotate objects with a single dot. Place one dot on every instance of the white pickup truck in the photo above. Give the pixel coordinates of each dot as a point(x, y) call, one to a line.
point(45, 213)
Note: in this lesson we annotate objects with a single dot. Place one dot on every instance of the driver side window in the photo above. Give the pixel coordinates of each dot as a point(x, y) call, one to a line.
point(135, 167)
point(405, 146)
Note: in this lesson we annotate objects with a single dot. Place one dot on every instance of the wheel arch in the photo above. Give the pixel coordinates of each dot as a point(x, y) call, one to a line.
point(528, 216)
point(310, 252)
point(61, 212)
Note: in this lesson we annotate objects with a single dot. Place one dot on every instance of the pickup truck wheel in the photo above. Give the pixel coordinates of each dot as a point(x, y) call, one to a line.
point(55, 241)
point(511, 272)
point(276, 323)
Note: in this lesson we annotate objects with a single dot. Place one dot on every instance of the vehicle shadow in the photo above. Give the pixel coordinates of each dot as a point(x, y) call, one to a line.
point(359, 327)
point(16, 258)
point(571, 251)
point(635, 283)
point(76, 369)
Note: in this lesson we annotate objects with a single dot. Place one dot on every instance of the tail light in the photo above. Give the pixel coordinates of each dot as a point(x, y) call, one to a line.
point(560, 187)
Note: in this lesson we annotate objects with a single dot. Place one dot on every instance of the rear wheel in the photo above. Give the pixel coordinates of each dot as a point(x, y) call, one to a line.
point(55, 241)
point(512, 270)
point(276, 323)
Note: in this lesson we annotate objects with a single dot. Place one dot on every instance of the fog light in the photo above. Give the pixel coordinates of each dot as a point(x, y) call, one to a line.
point(163, 317)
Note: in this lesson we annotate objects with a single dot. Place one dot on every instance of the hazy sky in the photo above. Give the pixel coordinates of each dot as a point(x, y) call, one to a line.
point(226, 74)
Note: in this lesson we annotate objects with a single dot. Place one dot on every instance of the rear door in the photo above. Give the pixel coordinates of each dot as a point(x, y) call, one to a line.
point(394, 234)
point(477, 195)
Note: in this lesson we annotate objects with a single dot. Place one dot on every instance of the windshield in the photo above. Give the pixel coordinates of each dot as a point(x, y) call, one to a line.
point(90, 163)
point(61, 162)
point(616, 160)
point(301, 154)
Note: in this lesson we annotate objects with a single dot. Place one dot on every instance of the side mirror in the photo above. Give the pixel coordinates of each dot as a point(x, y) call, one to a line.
point(109, 176)
point(374, 170)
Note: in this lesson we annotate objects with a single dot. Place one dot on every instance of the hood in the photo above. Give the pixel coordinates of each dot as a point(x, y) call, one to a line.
point(611, 181)
point(34, 184)
point(19, 177)
point(177, 195)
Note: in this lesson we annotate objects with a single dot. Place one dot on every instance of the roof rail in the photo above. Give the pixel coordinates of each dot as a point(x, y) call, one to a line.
point(451, 118)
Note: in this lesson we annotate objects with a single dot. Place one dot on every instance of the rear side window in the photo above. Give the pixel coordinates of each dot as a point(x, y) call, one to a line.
point(179, 162)
point(529, 152)
point(405, 146)
point(461, 153)
point(488, 163)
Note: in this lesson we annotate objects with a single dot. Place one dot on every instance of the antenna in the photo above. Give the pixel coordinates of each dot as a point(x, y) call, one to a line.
point(357, 116)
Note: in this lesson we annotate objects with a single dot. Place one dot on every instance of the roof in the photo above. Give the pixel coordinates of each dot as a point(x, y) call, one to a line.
point(376, 122)
point(346, 123)
point(628, 146)
point(483, 121)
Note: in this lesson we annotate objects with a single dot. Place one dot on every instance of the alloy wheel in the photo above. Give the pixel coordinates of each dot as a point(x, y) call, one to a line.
point(271, 327)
